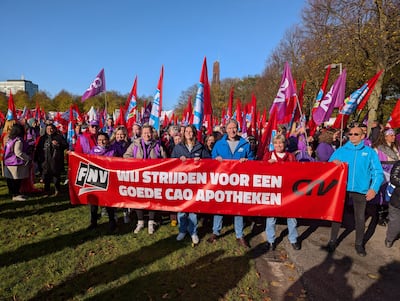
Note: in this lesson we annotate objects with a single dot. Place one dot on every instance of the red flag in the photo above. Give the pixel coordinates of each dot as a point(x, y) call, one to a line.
point(267, 134)
point(371, 85)
point(11, 112)
point(188, 112)
point(354, 100)
point(166, 121)
point(239, 112)
point(121, 117)
point(253, 131)
point(223, 116)
point(394, 119)
point(130, 106)
point(263, 119)
point(207, 94)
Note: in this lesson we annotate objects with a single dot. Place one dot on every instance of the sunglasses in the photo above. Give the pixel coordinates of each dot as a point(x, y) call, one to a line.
point(355, 134)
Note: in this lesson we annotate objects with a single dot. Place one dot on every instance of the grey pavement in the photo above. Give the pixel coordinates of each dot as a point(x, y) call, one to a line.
point(314, 274)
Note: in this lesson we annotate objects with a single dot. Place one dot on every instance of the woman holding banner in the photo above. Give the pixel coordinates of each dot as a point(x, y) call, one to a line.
point(145, 147)
point(103, 148)
point(193, 149)
point(119, 143)
point(279, 155)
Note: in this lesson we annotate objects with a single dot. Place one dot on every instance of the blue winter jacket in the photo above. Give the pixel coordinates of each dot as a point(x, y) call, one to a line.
point(365, 169)
point(198, 151)
point(221, 148)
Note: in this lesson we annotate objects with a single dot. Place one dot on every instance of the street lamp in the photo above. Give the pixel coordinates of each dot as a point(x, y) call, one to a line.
point(333, 66)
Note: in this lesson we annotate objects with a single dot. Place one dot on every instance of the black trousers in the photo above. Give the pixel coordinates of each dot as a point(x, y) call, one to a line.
point(359, 204)
point(14, 186)
point(94, 214)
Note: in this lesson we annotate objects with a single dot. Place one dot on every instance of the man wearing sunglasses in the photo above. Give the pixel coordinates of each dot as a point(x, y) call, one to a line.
point(365, 176)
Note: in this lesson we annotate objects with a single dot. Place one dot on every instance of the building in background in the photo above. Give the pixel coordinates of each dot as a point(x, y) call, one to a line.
point(15, 85)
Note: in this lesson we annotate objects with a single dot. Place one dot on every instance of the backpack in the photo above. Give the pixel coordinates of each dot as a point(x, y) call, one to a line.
point(389, 191)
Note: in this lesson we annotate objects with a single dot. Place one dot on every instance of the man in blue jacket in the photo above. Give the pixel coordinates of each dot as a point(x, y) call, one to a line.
point(365, 176)
point(231, 146)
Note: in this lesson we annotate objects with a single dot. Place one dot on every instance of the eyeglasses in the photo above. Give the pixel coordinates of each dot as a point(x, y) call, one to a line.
point(355, 134)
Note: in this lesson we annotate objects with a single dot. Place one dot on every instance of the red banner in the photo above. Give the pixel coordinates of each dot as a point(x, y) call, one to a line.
point(252, 188)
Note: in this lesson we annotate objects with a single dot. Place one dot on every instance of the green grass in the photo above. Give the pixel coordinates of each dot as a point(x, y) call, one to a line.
point(46, 253)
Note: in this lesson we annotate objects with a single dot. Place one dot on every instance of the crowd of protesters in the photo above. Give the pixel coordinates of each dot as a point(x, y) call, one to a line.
point(31, 151)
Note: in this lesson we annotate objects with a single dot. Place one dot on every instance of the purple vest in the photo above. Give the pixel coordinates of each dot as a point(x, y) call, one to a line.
point(10, 159)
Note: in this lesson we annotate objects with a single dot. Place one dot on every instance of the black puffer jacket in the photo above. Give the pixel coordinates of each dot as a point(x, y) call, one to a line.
point(395, 180)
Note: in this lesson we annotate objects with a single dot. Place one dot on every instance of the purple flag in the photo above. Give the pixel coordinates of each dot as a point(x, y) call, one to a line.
point(285, 92)
point(96, 87)
point(333, 99)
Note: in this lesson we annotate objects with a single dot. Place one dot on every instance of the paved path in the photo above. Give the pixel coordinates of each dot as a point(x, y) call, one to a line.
point(314, 274)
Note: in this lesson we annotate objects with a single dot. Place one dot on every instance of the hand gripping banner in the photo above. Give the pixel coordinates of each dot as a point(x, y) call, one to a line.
point(253, 188)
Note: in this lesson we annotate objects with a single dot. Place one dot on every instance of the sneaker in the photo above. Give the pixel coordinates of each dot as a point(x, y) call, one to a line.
point(213, 238)
point(195, 239)
point(139, 227)
point(296, 246)
point(388, 243)
point(330, 247)
point(104, 212)
point(150, 228)
point(19, 198)
point(127, 219)
point(270, 246)
point(361, 251)
point(243, 243)
point(180, 236)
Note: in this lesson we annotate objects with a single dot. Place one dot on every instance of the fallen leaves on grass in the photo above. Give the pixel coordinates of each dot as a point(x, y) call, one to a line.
point(372, 276)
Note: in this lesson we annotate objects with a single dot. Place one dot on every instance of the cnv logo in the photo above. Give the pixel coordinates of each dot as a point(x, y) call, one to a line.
point(91, 178)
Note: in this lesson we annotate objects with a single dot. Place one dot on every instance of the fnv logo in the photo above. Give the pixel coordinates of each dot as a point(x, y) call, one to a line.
point(91, 178)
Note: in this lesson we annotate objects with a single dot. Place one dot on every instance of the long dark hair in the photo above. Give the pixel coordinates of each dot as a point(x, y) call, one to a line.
point(17, 130)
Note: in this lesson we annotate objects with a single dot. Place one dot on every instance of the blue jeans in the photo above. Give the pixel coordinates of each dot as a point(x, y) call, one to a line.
point(187, 223)
point(238, 223)
point(270, 229)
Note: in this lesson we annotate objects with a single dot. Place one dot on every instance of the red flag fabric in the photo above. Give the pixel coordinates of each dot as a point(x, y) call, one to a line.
point(11, 112)
point(207, 93)
point(188, 112)
point(121, 117)
point(253, 127)
point(352, 102)
point(394, 119)
point(239, 112)
point(130, 107)
point(267, 133)
point(371, 85)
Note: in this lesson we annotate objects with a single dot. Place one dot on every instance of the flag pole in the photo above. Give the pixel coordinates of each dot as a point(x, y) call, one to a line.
point(341, 131)
point(105, 102)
